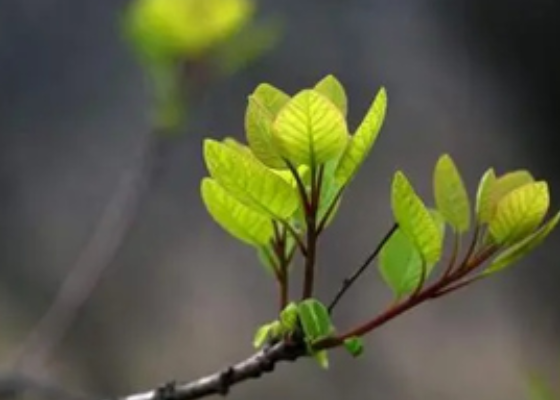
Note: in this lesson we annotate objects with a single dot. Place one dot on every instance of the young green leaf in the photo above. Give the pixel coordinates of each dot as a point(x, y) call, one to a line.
point(438, 220)
point(400, 264)
point(415, 219)
point(331, 88)
point(483, 196)
point(450, 194)
point(250, 181)
point(315, 320)
point(289, 317)
point(354, 345)
point(271, 98)
point(322, 358)
point(270, 331)
point(240, 221)
point(237, 146)
point(522, 248)
point(519, 213)
point(264, 104)
point(362, 141)
point(302, 171)
point(310, 130)
point(495, 189)
point(262, 335)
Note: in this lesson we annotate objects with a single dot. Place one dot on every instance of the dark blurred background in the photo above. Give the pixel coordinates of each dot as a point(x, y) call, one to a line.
point(479, 79)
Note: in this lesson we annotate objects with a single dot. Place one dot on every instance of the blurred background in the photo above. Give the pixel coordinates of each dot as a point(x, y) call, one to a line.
point(177, 297)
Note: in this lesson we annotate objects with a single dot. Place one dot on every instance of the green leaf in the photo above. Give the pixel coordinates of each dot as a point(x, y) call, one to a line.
point(483, 195)
point(310, 130)
point(450, 194)
point(264, 104)
point(270, 331)
point(331, 88)
point(170, 29)
point(240, 221)
point(354, 345)
point(262, 335)
point(322, 358)
point(362, 141)
point(519, 213)
point(271, 98)
point(315, 320)
point(522, 248)
point(237, 146)
point(497, 189)
point(415, 219)
point(289, 317)
point(400, 264)
point(250, 181)
point(439, 220)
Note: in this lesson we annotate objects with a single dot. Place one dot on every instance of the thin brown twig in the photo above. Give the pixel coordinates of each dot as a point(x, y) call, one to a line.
point(348, 282)
point(329, 211)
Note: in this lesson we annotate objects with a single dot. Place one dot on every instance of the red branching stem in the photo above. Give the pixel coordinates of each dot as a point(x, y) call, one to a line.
point(299, 241)
point(397, 309)
point(454, 255)
point(305, 201)
point(422, 280)
point(311, 222)
point(472, 247)
point(281, 268)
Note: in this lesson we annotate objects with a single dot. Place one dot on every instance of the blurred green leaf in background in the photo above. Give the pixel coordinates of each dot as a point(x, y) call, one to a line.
point(183, 44)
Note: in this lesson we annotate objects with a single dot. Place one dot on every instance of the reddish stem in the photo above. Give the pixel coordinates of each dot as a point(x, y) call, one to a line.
point(430, 292)
point(311, 222)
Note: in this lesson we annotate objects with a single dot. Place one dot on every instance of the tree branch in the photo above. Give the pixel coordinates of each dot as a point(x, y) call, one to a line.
point(262, 362)
point(265, 360)
point(430, 292)
point(220, 382)
point(93, 260)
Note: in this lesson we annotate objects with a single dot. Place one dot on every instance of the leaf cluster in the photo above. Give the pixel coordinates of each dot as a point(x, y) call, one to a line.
point(210, 38)
point(281, 191)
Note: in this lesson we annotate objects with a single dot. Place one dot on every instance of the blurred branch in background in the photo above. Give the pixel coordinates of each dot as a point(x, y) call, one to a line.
point(16, 385)
point(99, 252)
point(183, 45)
